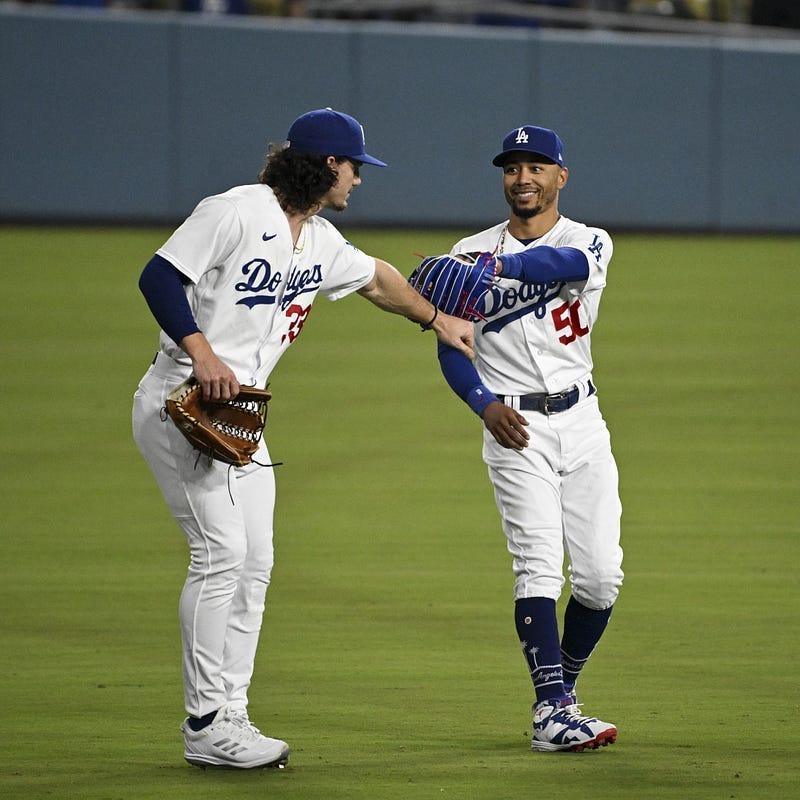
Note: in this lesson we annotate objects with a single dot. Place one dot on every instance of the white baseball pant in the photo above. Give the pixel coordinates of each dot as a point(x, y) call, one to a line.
point(561, 495)
point(226, 514)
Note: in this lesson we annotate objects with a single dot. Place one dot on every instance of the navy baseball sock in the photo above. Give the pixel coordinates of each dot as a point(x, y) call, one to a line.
point(537, 628)
point(583, 628)
point(198, 723)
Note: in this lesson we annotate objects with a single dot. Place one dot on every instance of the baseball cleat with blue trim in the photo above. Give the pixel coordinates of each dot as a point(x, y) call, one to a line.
point(559, 725)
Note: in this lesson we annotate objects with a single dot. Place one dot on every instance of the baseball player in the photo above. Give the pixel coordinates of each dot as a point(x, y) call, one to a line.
point(231, 289)
point(545, 442)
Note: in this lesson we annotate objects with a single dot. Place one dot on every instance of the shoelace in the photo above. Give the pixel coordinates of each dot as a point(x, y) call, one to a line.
point(242, 720)
point(573, 712)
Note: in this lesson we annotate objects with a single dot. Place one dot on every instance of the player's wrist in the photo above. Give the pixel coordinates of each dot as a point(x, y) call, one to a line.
point(427, 326)
point(510, 266)
point(479, 398)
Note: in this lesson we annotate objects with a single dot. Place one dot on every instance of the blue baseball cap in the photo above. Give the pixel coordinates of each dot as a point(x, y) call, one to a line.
point(326, 132)
point(530, 139)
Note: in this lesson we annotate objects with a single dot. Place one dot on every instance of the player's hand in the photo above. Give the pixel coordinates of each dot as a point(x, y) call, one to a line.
point(456, 332)
point(506, 425)
point(218, 380)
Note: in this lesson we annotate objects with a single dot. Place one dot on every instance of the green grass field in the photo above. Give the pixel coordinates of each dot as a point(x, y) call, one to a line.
point(389, 659)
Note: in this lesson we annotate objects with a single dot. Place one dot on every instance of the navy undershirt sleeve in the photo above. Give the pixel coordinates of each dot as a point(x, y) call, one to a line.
point(463, 379)
point(162, 287)
point(544, 264)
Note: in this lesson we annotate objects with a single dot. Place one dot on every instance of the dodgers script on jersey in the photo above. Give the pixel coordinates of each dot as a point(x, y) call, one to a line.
point(536, 336)
point(239, 244)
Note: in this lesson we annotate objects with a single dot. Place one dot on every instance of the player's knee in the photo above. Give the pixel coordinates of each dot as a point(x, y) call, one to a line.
point(225, 560)
point(261, 558)
point(598, 590)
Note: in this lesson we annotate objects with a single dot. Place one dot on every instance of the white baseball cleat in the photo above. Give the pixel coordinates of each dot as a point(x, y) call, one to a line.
point(559, 725)
point(231, 740)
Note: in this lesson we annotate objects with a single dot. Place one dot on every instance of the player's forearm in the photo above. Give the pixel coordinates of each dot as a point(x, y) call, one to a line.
point(463, 379)
point(197, 347)
point(544, 264)
point(390, 291)
point(218, 380)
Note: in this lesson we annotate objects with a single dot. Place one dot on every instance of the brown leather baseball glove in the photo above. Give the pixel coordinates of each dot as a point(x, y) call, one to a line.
point(228, 430)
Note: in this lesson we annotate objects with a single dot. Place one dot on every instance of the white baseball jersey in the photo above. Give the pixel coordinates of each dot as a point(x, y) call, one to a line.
point(252, 289)
point(537, 337)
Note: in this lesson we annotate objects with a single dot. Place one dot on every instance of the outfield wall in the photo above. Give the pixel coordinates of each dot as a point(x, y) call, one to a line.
point(134, 116)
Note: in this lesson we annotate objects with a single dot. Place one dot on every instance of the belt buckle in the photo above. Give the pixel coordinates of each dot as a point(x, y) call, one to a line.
point(555, 398)
point(546, 403)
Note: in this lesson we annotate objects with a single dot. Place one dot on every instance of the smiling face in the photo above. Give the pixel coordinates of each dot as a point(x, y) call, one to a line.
point(531, 184)
point(347, 179)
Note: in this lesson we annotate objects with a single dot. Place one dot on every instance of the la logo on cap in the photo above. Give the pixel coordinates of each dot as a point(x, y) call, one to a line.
point(531, 139)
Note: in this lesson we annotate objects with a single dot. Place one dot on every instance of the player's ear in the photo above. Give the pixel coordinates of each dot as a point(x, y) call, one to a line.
point(563, 174)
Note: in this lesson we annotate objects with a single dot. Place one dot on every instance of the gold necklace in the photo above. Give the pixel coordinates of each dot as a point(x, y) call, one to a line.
point(502, 242)
point(298, 248)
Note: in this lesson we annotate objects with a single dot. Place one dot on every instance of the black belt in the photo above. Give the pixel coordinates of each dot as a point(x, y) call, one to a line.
point(550, 403)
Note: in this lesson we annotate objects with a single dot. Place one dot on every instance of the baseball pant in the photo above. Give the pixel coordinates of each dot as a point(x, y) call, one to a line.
point(226, 515)
point(560, 495)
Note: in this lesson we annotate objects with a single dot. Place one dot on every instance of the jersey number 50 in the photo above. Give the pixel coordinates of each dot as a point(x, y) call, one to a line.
point(566, 317)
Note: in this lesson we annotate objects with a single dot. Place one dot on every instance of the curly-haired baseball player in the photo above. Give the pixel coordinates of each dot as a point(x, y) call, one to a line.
point(545, 442)
point(231, 290)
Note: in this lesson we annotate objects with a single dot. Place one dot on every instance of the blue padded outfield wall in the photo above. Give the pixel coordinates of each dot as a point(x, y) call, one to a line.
point(134, 116)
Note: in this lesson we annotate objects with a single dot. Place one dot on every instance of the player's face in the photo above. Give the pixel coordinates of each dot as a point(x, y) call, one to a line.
point(531, 184)
point(347, 179)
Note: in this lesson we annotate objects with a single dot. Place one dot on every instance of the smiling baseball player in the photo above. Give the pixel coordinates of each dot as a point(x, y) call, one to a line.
point(546, 444)
point(231, 289)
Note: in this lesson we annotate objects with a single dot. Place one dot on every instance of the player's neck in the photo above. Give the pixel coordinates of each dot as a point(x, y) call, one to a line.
point(296, 222)
point(533, 227)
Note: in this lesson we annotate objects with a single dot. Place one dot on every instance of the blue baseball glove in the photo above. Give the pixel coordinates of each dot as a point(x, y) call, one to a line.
point(457, 285)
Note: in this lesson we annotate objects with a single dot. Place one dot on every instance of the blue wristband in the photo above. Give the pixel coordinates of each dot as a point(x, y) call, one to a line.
point(463, 379)
point(478, 398)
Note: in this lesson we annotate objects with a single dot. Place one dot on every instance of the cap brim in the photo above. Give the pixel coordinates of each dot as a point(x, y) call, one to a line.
point(501, 158)
point(365, 159)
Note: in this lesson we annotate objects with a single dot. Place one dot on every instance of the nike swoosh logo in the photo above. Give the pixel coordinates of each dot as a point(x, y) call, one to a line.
point(267, 238)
